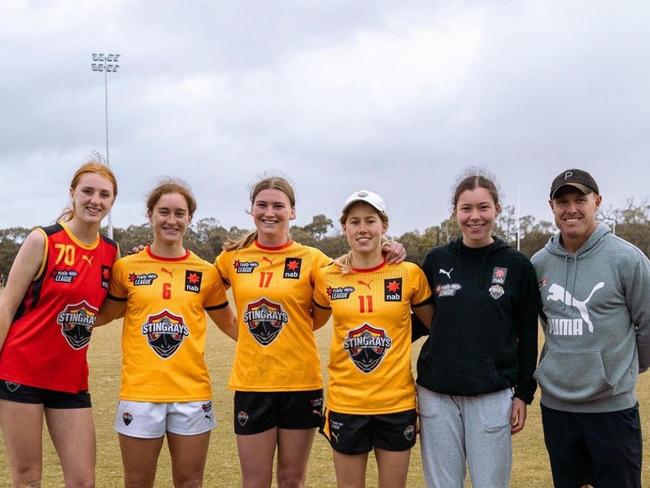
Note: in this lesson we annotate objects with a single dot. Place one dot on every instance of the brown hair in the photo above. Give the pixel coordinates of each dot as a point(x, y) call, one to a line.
point(92, 166)
point(171, 185)
point(269, 183)
point(473, 181)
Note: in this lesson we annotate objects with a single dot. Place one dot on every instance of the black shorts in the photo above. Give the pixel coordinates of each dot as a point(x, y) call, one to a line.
point(602, 449)
point(359, 434)
point(257, 412)
point(14, 392)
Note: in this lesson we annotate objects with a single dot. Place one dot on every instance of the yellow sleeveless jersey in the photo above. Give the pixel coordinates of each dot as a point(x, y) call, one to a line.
point(370, 353)
point(273, 289)
point(163, 336)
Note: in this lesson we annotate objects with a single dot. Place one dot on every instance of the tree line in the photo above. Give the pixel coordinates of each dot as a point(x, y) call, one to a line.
point(206, 236)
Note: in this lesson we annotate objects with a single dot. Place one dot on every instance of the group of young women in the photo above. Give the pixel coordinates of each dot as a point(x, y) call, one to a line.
point(475, 298)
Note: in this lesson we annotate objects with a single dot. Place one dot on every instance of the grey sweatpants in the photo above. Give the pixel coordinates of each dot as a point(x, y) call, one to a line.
point(456, 431)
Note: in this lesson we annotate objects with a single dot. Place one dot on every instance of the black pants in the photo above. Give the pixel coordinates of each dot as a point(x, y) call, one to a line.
point(602, 449)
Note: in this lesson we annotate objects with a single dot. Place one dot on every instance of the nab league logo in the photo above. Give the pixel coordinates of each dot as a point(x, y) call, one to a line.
point(499, 275)
point(144, 279)
point(292, 268)
point(77, 322)
point(64, 275)
point(393, 290)
point(340, 292)
point(367, 346)
point(106, 276)
point(165, 333)
point(245, 267)
point(265, 320)
point(193, 281)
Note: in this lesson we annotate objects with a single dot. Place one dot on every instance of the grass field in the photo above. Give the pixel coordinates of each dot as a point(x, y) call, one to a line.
point(530, 463)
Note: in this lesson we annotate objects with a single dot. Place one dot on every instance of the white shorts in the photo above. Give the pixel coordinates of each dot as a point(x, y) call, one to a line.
point(151, 420)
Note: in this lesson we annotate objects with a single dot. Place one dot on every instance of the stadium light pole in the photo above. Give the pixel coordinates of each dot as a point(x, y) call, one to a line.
point(106, 63)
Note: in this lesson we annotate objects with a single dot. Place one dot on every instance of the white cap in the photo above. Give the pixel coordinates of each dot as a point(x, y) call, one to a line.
point(371, 198)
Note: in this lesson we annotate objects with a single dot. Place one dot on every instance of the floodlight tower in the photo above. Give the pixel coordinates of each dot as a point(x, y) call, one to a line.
point(106, 63)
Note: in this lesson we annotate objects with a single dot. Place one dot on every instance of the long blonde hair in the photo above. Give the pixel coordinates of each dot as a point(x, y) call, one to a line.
point(269, 183)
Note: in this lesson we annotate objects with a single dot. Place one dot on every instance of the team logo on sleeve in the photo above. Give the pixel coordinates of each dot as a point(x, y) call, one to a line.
point(193, 281)
point(367, 346)
point(499, 275)
point(245, 267)
point(144, 279)
point(64, 275)
point(340, 292)
point(165, 333)
point(393, 290)
point(265, 320)
point(106, 276)
point(77, 322)
point(292, 268)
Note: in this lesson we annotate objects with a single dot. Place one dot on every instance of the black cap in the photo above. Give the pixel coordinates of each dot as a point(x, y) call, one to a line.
point(576, 178)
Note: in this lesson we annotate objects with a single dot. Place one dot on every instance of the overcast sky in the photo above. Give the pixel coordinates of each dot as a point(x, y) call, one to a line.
point(393, 96)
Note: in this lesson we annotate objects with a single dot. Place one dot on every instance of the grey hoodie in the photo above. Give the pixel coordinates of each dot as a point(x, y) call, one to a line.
point(596, 320)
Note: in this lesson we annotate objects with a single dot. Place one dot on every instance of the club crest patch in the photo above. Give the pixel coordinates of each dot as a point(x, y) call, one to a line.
point(127, 418)
point(165, 333)
point(340, 292)
point(409, 432)
point(144, 279)
point(207, 410)
point(77, 322)
point(245, 267)
point(499, 275)
point(393, 290)
point(106, 276)
point(367, 346)
point(242, 418)
point(64, 275)
point(265, 320)
point(496, 291)
point(292, 268)
point(193, 281)
point(12, 387)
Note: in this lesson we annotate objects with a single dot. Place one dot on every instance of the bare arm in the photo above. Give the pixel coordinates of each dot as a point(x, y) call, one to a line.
point(111, 310)
point(26, 266)
point(226, 320)
point(320, 316)
point(425, 314)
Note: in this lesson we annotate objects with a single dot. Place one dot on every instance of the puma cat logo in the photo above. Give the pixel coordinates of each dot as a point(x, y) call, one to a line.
point(558, 294)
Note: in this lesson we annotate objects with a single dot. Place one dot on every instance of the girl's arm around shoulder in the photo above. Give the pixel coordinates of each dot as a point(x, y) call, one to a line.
point(112, 309)
point(225, 319)
point(26, 267)
point(320, 316)
point(320, 310)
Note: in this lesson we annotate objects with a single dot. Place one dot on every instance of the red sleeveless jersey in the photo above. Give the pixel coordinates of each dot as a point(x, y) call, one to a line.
point(47, 342)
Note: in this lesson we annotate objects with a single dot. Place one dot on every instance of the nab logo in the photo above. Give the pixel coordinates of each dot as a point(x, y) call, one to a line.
point(292, 268)
point(77, 322)
point(165, 333)
point(64, 275)
point(106, 276)
point(393, 290)
point(499, 275)
point(245, 267)
point(265, 320)
point(367, 346)
point(144, 279)
point(193, 281)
